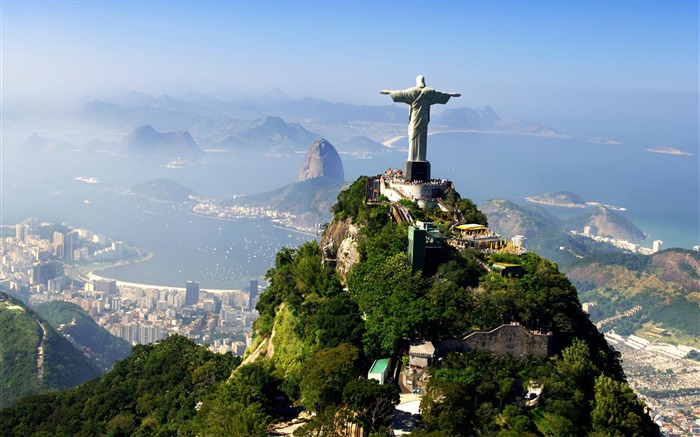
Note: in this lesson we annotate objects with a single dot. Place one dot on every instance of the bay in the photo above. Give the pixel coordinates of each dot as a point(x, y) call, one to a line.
point(660, 192)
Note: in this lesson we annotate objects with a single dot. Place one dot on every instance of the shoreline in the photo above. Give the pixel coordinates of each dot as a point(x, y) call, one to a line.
point(574, 205)
point(294, 230)
point(86, 271)
point(390, 142)
point(275, 223)
point(93, 276)
point(551, 203)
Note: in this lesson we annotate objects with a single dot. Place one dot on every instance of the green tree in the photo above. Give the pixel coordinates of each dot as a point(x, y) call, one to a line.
point(331, 422)
point(448, 407)
point(470, 213)
point(325, 375)
point(449, 309)
point(371, 405)
point(618, 412)
point(392, 298)
point(152, 391)
point(514, 421)
point(576, 363)
point(252, 383)
point(298, 274)
point(352, 202)
point(235, 419)
point(339, 321)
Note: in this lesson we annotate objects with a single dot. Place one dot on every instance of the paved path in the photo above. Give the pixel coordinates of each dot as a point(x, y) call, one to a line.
point(403, 422)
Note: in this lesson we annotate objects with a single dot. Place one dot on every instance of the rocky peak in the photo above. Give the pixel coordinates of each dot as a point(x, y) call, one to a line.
point(322, 160)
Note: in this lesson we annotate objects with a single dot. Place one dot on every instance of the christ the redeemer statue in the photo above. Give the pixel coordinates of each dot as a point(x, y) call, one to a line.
point(420, 98)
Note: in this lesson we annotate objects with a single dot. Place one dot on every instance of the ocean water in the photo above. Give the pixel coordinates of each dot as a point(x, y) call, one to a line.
point(660, 192)
point(217, 253)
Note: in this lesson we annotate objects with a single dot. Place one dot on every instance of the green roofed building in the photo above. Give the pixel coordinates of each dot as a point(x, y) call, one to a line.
point(380, 370)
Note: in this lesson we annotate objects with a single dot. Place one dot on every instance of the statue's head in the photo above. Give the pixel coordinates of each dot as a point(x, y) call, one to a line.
point(420, 81)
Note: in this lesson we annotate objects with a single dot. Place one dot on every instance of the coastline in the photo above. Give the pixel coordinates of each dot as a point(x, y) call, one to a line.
point(276, 223)
point(574, 205)
point(552, 203)
point(286, 228)
point(94, 277)
point(390, 142)
point(86, 271)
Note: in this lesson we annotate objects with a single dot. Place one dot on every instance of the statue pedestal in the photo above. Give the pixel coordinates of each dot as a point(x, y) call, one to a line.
point(417, 171)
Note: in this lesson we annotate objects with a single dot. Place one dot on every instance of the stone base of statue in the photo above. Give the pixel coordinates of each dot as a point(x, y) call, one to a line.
point(417, 171)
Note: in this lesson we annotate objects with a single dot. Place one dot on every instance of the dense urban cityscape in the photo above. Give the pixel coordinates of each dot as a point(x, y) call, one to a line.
point(42, 262)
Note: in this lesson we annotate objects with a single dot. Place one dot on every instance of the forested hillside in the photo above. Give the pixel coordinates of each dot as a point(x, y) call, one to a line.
point(319, 332)
point(153, 392)
point(310, 325)
point(666, 285)
point(77, 325)
point(33, 356)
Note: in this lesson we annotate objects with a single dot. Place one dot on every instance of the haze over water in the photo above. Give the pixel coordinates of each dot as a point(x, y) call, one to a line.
point(227, 254)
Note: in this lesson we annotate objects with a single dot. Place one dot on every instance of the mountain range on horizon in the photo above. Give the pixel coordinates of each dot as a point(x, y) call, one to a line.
point(242, 123)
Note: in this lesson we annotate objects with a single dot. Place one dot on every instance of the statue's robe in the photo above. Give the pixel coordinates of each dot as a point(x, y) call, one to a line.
point(420, 100)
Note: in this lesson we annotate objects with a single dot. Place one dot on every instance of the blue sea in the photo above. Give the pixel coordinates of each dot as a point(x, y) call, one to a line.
point(661, 194)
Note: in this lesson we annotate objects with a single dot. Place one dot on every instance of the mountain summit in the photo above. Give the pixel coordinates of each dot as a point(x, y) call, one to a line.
point(322, 160)
point(146, 141)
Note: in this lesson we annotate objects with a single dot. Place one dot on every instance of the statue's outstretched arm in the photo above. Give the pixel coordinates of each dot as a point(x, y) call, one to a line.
point(455, 94)
point(384, 92)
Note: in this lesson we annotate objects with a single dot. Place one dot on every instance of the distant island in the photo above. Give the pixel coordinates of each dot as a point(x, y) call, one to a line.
point(669, 150)
point(86, 179)
point(163, 190)
point(179, 148)
point(602, 140)
point(563, 199)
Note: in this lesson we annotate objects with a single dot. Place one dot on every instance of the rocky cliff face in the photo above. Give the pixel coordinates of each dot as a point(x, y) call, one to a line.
point(340, 242)
point(322, 160)
point(682, 267)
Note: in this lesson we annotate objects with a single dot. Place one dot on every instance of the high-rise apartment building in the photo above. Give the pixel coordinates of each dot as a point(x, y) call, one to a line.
point(191, 293)
point(253, 294)
point(20, 232)
point(42, 272)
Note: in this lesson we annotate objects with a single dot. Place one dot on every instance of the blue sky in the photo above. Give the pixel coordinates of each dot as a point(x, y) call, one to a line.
point(534, 59)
